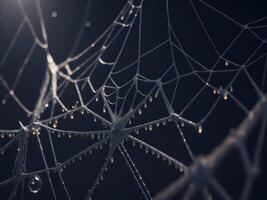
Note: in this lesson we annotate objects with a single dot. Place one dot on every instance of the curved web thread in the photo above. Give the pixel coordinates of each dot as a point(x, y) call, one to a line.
point(123, 102)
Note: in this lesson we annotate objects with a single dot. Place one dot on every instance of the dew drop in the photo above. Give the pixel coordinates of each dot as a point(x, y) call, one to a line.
point(54, 14)
point(54, 125)
point(150, 127)
point(225, 95)
point(150, 98)
point(140, 111)
point(104, 110)
point(231, 88)
point(35, 184)
point(82, 112)
point(200, 129)
point(87, 24)
point(226, 63)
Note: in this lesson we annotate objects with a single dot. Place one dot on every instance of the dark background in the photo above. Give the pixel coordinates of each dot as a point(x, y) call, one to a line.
point(118, 182)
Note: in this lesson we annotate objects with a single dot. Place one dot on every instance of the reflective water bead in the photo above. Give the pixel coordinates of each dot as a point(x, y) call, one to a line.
point(145, 106)
point(231, 88)
point(200, 130)
point(225, 95)
point(35, 184)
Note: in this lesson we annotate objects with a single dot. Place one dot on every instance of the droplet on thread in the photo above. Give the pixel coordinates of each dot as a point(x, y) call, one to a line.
point(200, 129)
point(54, 14)
point(225, 95)
point(35, 184)
point(87, 24)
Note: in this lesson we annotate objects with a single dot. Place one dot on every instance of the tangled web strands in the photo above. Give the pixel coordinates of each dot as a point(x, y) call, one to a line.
point(172, 78)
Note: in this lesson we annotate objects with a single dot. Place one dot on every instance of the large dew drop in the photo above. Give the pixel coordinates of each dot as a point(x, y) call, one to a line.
point(35, 184)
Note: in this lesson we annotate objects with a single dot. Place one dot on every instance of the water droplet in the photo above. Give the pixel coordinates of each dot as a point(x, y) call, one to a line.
point(225, 95)
point(87, 24)
point(140, 111)
point(150, 127)
point(150, 98)
point(157, 124)
point(231, 88)
point(145, 105)
point(226, 63)
point(46, 105)
point(54, 14)
point(157, 94)
point(200, 130)
point(3, 101)
point(137, 131)
point(111, 160)
point(104, 109)
point(214, 91)
point(35, 184)
point(94, 119)
point(96, 99)
point(130, 122)
point(72, 116)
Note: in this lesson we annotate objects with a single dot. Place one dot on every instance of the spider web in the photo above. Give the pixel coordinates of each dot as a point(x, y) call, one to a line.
point(123, 85)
